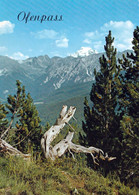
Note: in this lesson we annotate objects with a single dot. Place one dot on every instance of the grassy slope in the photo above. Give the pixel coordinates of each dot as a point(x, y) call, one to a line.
point(54, 178)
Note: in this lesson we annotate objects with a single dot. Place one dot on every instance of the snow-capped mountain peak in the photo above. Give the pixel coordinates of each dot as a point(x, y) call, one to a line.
point(84, 51)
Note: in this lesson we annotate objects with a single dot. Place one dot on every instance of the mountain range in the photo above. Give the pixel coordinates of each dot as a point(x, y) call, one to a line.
point(43, 75)
point(51, 80)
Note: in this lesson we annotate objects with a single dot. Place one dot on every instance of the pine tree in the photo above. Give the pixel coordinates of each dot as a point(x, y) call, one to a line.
point(47, 126)
point(14, 102)
point(101, 124)
point(3, 120)
point(13, 106)
point(29, 128)
point(25, 114)
point(129, 103)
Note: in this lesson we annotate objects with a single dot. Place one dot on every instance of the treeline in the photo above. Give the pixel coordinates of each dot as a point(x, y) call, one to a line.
point(110, 119)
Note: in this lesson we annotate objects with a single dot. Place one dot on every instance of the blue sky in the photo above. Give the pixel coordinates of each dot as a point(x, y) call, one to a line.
point(85, 23)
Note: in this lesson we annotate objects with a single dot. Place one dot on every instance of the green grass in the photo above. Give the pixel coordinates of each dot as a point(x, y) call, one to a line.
point(63, 176)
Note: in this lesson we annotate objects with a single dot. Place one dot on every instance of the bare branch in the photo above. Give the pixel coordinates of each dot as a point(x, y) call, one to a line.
point(6, 131)
point(8, 149)
point(66, 144)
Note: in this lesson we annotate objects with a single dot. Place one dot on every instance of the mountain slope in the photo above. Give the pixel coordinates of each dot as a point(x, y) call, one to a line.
point(44, 76)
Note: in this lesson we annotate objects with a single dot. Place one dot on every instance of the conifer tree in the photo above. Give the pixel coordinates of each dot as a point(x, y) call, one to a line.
point(47, 126)
point(14, 102)
point(129, 104)
point(101, 124)
point(13, 106)
point(3, 120)
point(28, 129)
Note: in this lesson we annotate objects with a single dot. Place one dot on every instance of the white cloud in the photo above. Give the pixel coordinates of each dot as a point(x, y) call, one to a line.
point(6, 27)
point(45, 34)
point(63, 42)
point(3, 49)
point(19, 56)
point(116, 25)
point(121, 31)
point(59, 39)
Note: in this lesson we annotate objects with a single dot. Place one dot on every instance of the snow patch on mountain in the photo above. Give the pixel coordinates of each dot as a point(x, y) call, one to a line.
point(46, 80)
point(84, 51)
point(3, 71)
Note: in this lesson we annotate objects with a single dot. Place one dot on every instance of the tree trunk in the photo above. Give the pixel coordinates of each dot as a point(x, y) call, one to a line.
point(66, 144)
point(10, 150)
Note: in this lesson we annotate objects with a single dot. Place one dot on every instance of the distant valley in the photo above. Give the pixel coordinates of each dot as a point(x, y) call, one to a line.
point(50, 81)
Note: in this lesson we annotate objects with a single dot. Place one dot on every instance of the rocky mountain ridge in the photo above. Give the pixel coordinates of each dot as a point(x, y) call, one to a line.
point(43, 75)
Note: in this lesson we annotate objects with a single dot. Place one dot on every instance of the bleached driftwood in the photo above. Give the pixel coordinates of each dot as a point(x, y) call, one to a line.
point(66, 144)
